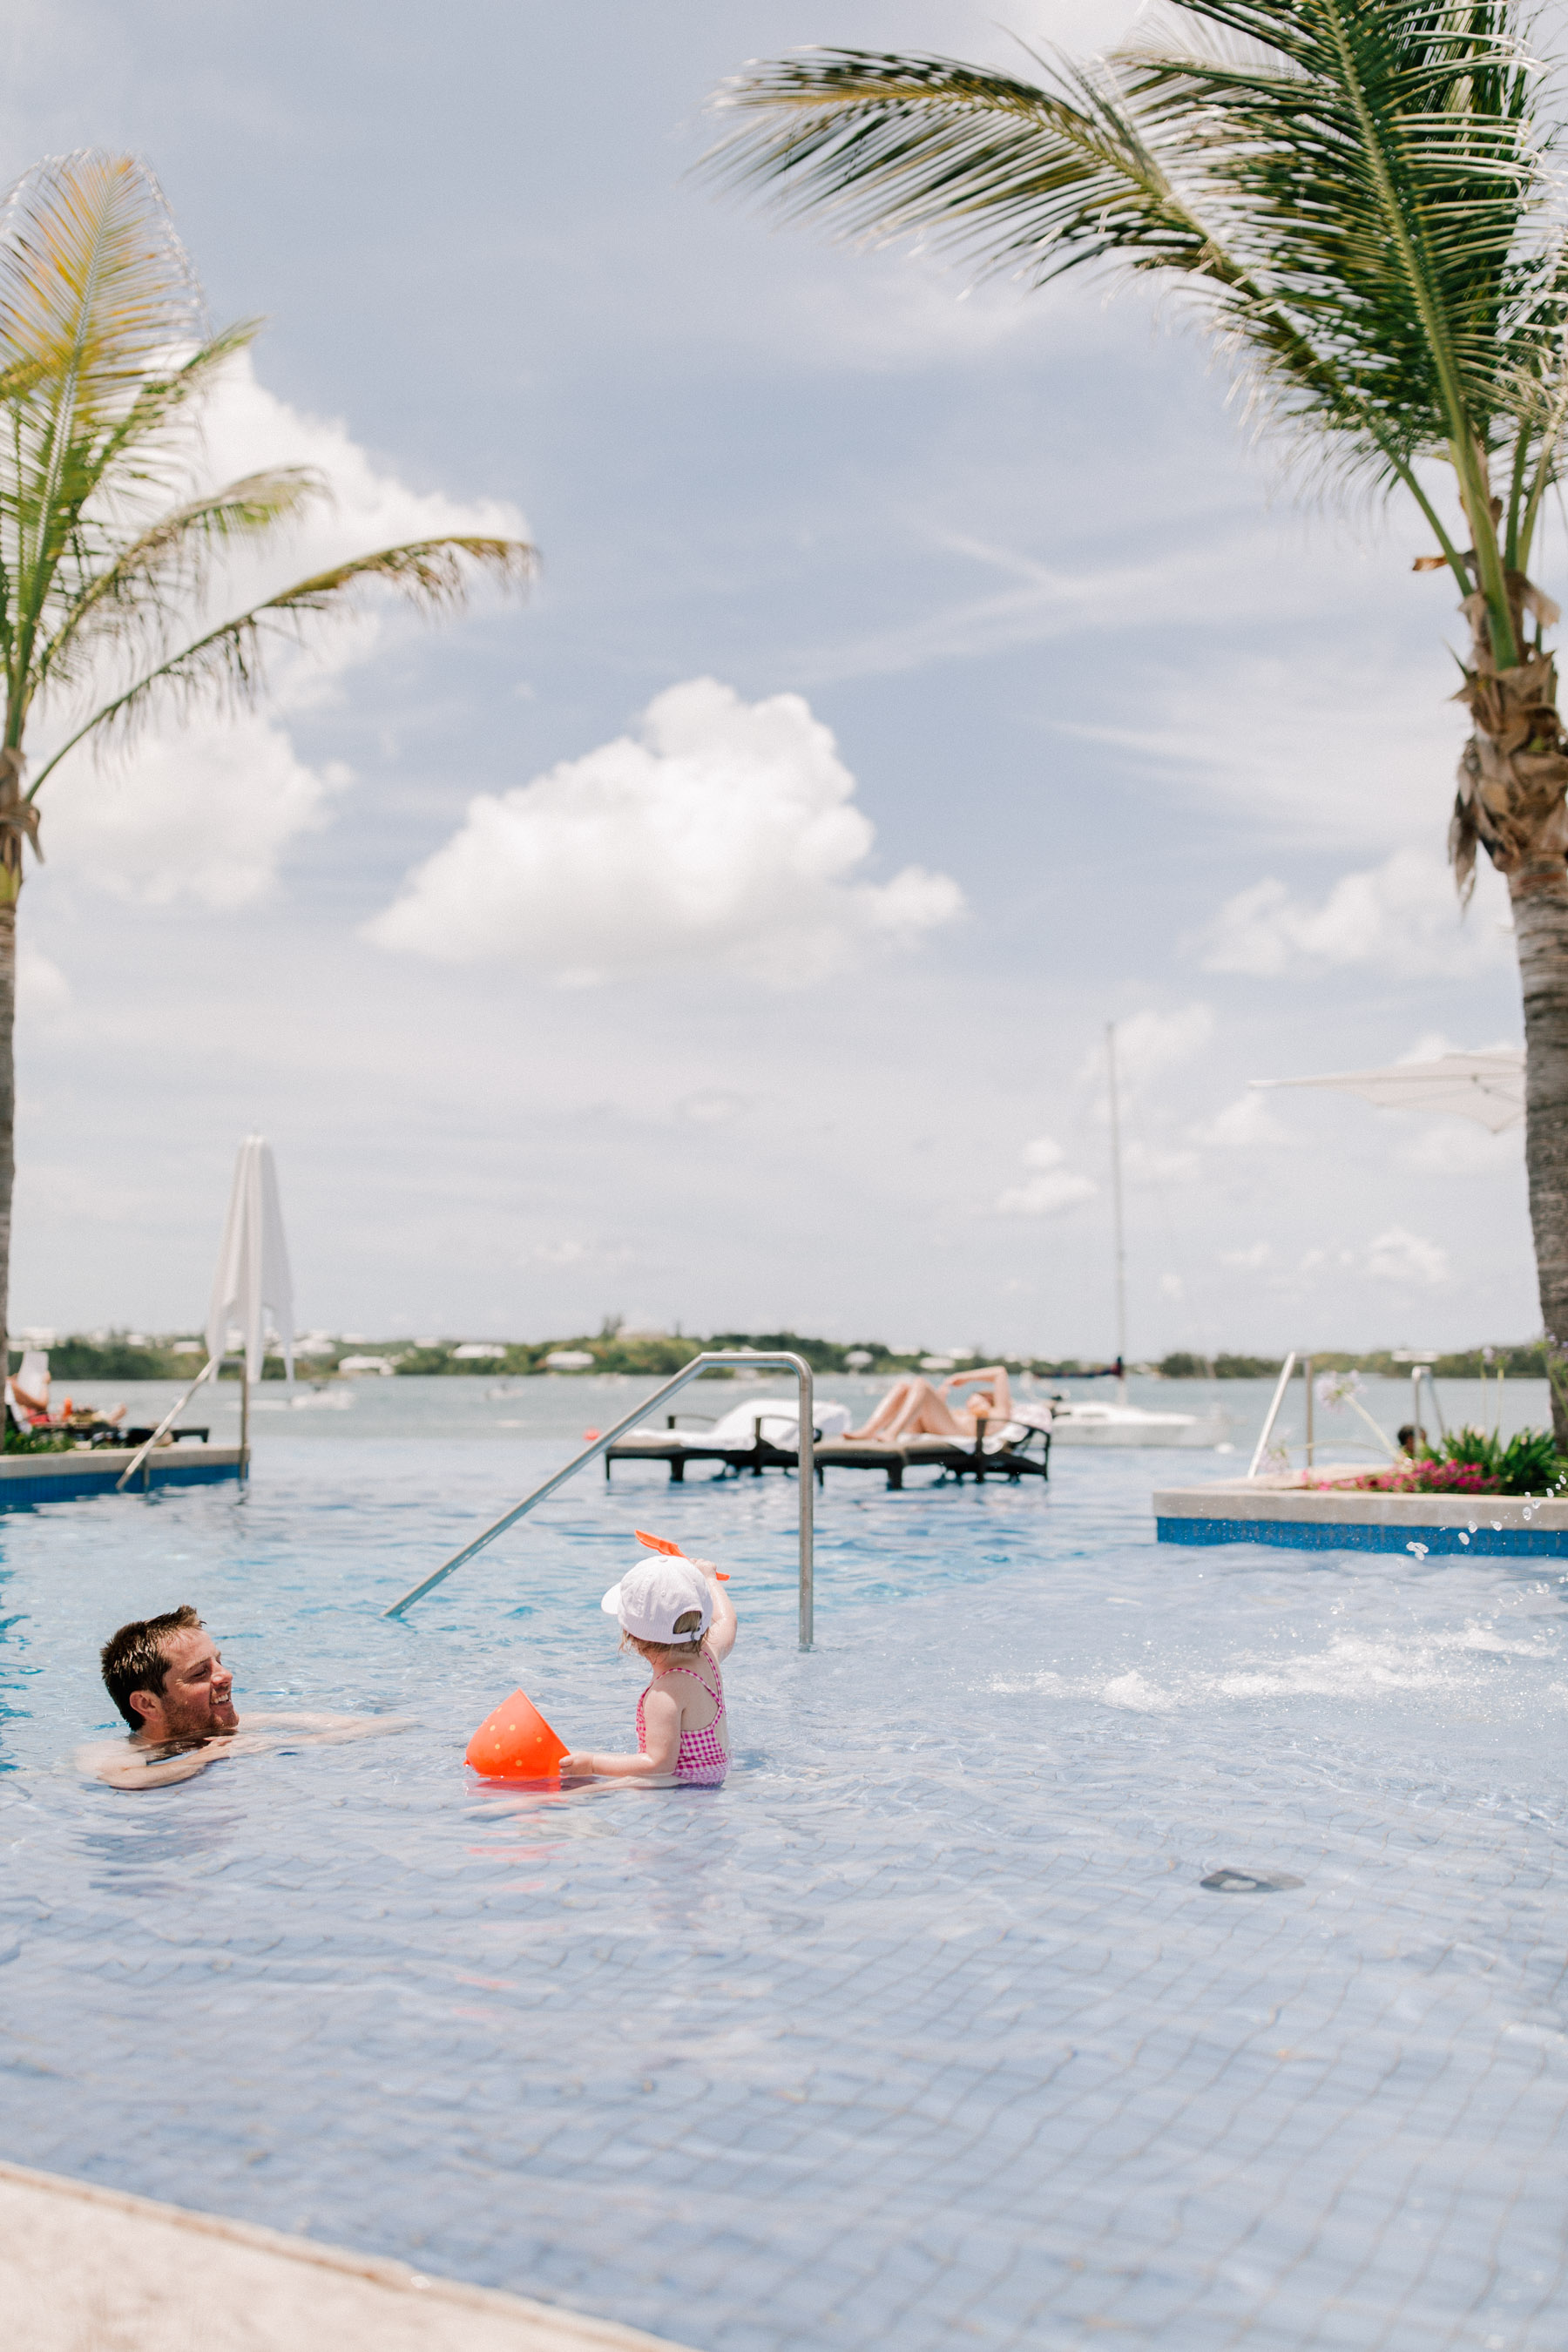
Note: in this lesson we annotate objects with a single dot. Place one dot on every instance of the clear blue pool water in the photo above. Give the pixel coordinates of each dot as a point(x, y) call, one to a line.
point(922, 2031)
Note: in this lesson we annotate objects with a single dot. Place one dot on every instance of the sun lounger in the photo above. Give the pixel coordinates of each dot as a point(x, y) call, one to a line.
point(677, 1445)
point(1017, 1451)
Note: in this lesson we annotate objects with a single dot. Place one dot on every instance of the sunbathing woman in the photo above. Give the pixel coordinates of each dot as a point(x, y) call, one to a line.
point(912, 1408)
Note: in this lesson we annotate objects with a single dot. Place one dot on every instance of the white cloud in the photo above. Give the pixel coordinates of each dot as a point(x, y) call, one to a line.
point(1430, 1047)
point(1251, 1260)
point(42, 990)
point(1322, 745)
point(716, 1108)
point(1150, 1041)
point(1397, 1256)
point(1245, 1125)
point(1460, 1147)
point(1401, 916)
point(1172, 1287)
point(722, 837)
point(1155, 1163)
point(205, 810)
point(1051, 1188)
point(246, 427)
point(205, 815)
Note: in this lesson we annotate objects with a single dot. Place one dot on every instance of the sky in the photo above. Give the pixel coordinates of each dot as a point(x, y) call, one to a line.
point(919, 678)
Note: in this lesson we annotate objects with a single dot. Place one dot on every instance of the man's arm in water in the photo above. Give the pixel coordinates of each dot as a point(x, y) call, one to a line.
point(120, 1764)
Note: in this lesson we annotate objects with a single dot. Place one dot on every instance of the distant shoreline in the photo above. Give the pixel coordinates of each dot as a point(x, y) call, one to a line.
point(135, 1356)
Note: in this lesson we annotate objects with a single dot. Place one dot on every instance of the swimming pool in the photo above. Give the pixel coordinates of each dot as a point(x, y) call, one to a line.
point(923, 2030)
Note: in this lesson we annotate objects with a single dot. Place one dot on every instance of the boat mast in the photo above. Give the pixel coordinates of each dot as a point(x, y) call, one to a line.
point(1116, 1208)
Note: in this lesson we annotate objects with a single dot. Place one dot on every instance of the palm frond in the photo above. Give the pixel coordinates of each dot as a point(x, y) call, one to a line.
point(99, 313)
point(1034, 179)
point(1356, 192)
point(152, 581)
point(1014, 175)
point(225, 667)
point(162, 394)
point(1383, 169)
point(94, 283)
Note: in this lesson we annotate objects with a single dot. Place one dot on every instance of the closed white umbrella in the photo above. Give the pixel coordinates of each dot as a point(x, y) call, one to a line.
point(1487, 1086)
point(253, 1288)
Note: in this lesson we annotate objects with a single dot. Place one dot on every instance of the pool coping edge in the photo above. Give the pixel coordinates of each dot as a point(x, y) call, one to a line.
point(424, 2287)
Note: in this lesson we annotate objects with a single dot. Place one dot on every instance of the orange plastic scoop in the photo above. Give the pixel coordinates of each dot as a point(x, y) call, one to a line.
point(515, 1743)
point(662, 1543)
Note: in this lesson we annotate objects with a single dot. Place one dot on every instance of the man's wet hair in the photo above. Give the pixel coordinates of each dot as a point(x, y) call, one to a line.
point(133, 1658)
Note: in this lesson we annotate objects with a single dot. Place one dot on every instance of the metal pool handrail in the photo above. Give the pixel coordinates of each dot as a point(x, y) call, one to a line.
point(807, 1468)
point(1286, 1368)
point(214, 1364)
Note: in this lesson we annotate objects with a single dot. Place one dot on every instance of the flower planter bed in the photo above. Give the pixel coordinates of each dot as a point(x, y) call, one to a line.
point(1342, 1518)
point(28, 1478)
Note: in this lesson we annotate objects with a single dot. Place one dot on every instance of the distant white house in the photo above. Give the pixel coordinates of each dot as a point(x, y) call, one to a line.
point(569, 1360)
point(357, 1364)
point(473, 1351)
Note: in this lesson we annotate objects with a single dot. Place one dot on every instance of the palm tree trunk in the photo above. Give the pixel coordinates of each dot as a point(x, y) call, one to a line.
point(1539, 889)
point(1513, 802)
point(7, 1124)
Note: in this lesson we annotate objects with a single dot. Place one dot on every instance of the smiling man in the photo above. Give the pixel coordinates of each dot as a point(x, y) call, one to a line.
point(167, 1677)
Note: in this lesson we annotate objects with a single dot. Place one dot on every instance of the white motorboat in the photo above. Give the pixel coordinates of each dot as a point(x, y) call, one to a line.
point(1085, 1421)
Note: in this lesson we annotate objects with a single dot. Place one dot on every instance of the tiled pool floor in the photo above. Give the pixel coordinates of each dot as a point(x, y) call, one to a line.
point(923, 2031)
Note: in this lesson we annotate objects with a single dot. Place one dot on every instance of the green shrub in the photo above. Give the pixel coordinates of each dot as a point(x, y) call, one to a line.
point(1527, 1463)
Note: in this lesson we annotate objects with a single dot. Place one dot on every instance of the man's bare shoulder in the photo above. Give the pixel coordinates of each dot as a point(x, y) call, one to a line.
point(127, 1764)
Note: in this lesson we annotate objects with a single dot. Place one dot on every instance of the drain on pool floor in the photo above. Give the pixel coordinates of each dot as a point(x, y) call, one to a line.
point(1250, 1882)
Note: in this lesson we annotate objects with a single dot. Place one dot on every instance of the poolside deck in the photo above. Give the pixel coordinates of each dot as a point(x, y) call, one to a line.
point(84, 2269)
point(1317, 1518)
point(27, 1479)
point(957, 1462)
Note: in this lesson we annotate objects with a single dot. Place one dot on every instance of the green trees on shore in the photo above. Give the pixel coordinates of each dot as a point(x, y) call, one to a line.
point(654, 1355)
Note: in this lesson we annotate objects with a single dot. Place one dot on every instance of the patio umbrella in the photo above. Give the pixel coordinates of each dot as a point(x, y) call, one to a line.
point(1487, 1086)
point(253, 1284)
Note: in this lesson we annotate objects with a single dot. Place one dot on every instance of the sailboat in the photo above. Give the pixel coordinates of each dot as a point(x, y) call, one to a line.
point(1085, 1421)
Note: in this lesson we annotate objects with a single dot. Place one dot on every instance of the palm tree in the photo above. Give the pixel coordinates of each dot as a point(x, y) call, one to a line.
point(1359, 200)
point(107, 547)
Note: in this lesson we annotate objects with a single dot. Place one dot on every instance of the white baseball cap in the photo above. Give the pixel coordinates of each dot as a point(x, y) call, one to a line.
point(652, 1595)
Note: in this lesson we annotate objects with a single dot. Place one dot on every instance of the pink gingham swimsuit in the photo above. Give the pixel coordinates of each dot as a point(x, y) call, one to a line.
point(700, 1759)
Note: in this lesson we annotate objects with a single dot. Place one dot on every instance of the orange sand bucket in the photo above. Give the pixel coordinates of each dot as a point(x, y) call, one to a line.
point(515, 1743)
point(662, 1543)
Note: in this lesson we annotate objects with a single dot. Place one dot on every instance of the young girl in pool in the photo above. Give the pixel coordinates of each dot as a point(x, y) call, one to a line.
point(676, 1614)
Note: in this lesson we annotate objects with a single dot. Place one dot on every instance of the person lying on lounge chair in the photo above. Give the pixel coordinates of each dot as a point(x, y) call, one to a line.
point(912, 1408)
point(28, 1390)
point(27, 1397)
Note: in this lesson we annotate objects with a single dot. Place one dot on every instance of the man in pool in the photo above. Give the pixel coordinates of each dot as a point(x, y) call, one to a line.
point(167, 1677)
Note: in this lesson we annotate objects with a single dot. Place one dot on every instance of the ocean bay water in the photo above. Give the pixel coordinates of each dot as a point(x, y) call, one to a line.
point(924, 2028)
